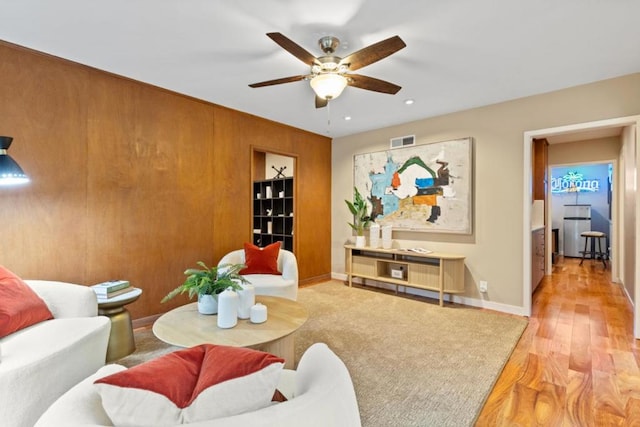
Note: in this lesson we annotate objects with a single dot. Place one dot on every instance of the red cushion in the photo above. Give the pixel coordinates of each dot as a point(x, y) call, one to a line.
point(20, 306)
point(261, 260)
point(199, 383)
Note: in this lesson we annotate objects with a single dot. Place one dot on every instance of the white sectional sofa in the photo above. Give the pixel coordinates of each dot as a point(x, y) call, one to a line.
point(320, 394)
point(43, 361)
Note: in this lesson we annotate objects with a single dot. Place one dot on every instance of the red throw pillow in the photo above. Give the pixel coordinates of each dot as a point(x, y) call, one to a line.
point(20, 306)
point(196, 384)
point(261, 260)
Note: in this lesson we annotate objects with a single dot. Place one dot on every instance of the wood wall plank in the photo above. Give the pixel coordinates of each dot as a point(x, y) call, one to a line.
point(136, 182)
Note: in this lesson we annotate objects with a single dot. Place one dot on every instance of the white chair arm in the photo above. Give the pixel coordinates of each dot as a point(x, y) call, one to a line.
point(234, 257)
point(66, 299)
point(289, 266)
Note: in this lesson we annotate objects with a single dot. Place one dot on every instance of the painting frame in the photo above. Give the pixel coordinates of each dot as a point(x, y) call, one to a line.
point(422, 188)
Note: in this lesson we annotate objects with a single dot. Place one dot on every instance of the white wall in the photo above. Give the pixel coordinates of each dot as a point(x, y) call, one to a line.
point(275, 160)
point(494, 252)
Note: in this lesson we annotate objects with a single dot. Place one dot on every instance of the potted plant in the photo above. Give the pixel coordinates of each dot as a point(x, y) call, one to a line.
point(361, 218)
point(207, 283)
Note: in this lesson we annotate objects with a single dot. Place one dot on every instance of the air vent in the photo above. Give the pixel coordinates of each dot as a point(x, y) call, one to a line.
point(403, 141)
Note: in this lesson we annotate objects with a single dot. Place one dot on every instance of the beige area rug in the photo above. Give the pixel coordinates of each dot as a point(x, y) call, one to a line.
point(413, 363)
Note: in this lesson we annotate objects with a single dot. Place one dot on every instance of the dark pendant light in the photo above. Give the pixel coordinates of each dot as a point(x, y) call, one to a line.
point(10, 172)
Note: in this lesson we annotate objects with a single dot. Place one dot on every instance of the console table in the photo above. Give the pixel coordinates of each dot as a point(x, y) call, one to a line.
point(434, 271)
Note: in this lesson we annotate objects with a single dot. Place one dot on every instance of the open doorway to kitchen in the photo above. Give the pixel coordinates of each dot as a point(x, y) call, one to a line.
point(581, 201)
point(624, 202)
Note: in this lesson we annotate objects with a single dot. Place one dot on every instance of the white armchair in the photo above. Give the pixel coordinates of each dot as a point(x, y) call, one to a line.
point(320, 393)
point(41, 362)
point(269, 284)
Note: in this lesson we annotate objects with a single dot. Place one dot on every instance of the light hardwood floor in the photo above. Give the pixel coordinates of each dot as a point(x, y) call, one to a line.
point(577, 363)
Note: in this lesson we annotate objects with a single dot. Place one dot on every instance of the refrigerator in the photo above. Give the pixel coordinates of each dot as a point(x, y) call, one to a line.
point(577, 219)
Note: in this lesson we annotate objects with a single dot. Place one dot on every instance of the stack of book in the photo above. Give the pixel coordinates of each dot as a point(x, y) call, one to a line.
point(110, 289)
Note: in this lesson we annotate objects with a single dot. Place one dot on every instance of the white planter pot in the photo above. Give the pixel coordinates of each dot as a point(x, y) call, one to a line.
point(207, 304)
point(360, 241)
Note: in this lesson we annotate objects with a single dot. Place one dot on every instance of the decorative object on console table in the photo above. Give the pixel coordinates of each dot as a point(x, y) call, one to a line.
point(273, 216)
point(208, 281)
point(374, 235)
point(361, 219)
point(121, 341)
point(387, 242)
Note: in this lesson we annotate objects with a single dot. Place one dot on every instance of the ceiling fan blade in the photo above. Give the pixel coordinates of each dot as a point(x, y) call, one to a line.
point(373, 53)
point(321, 102)
point(293, 48)
point(369, 83)
point(278, 81)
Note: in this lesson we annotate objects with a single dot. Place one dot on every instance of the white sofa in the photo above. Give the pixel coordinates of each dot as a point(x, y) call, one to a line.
point(320, 394)
point(285, 286)
point(43, 361)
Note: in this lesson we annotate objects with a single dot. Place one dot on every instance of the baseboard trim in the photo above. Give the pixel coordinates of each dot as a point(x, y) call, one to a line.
point(314, 280)
point(473, 302)
point(145, 322)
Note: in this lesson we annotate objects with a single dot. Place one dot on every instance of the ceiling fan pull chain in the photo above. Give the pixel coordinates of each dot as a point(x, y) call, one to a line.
point(328, 117)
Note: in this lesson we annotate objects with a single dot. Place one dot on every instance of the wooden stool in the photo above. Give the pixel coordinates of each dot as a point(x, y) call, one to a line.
point(594, 254)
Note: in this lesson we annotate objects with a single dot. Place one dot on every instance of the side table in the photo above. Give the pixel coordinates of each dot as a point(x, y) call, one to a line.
point(121, 342)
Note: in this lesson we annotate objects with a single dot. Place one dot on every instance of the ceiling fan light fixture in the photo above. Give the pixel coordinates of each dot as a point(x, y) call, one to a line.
point(328, 86)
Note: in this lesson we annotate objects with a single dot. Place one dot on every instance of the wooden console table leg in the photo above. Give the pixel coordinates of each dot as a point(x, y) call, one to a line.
point(348, 255)
point(441, 284)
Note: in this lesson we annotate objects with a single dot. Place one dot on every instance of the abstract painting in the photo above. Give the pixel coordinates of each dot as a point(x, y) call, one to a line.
point(426, 187)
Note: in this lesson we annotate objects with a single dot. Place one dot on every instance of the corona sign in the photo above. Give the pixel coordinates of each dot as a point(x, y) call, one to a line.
point(573, 182)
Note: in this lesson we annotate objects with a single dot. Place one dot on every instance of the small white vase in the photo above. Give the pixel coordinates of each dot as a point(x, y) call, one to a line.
point(374, 236)
point(360, 241)
point(207, 304)
point(247, 300)
point(387, 242)
point(228, 309)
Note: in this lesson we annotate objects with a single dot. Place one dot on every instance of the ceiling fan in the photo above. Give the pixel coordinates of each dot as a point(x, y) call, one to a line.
point(330, 74)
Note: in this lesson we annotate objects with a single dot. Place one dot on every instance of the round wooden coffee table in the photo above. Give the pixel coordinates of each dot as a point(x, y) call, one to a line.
point(185, 327)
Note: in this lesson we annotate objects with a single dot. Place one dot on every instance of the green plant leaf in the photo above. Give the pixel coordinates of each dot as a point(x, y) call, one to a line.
point(208, 280)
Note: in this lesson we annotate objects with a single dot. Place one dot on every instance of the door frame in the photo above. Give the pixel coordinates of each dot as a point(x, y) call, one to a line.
point(527, 201)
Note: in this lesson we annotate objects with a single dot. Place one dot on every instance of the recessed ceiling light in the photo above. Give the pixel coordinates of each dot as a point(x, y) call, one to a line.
point(347, 118)
point(408, 101)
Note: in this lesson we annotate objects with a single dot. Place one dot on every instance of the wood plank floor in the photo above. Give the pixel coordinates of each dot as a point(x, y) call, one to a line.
point(577, 363)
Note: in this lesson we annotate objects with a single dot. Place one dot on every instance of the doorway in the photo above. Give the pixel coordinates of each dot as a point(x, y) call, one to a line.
point(581, 200)
point(625, 204)
point(274, 198)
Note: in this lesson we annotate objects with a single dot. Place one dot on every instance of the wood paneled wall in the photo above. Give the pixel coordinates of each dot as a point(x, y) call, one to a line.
point(134, 182)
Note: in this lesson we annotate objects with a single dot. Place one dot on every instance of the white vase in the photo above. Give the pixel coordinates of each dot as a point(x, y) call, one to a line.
point(228, 309)
point(247, 299)
point(207, 304)
point(360, 241)
point(387, 242)
point(374, 236)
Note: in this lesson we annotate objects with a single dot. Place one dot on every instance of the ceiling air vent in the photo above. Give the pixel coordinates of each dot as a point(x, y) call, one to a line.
point(403, 141)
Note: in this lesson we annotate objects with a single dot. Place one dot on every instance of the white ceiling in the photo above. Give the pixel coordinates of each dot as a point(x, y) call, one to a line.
point(460, 53)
